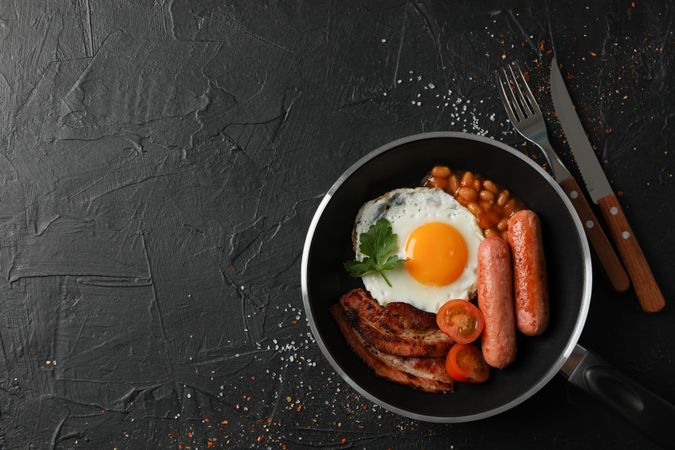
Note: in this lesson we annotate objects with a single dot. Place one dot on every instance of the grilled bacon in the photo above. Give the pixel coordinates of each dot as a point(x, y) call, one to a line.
point(424, 373)
point(397, 329)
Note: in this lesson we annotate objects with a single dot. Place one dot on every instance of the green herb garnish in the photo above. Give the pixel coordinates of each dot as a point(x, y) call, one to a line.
point(379, 246)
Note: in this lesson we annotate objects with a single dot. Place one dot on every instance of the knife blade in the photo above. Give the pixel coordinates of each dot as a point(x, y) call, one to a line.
point(591, 171)
point(647, 290)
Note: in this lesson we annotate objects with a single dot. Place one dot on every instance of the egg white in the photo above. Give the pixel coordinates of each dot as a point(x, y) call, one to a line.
point(407, 209)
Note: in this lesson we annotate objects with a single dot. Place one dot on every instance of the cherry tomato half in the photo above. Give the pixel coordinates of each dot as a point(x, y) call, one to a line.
point(466, 363)
point(460, 320)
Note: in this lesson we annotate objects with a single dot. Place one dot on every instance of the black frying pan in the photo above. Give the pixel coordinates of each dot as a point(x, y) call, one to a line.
point(403, 163)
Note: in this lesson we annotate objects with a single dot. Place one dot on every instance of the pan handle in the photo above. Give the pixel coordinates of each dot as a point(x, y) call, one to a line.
point(645, 410)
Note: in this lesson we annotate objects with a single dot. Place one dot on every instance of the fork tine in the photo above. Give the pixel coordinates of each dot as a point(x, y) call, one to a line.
point(528, 93)
point(516, 106)
point(521, 97)
point(505, 100)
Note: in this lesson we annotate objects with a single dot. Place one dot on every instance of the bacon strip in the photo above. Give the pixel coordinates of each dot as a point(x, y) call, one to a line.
point(397, 329)
point(425, 374)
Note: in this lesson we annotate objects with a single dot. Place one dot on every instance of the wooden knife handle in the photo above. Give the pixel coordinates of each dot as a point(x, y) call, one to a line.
point(597, 237)
point(648, 292)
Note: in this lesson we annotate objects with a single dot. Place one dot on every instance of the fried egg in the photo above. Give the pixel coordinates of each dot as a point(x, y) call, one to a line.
point(438, 237)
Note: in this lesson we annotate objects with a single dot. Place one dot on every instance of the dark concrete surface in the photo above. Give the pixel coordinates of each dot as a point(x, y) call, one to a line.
point(160, 162)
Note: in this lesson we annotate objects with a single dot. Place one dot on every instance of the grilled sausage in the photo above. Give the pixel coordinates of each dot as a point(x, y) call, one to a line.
point(495, 300)
point(529, 270)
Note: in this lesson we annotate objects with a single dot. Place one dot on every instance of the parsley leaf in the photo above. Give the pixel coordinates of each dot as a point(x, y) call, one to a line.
point(378, 244)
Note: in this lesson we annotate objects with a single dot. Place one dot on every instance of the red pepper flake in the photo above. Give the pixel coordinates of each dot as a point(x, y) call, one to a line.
point(549, 51)
point(237, 406)
point(609, 130)
point(294, 322)
point(190, 434)
point(282, 446)
point(593, 54)
point(569, 76)
point(526, 74)
point(252, 377)
point(205, 420)
point(180, 446)
point(343, 440)
point(298, 407)
point(260, 439)
point(541, 45)
point(209, 444)
point(224, 422)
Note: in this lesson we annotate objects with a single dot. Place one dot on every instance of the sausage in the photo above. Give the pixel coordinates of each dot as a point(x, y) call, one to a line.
point(495, 300)
point(529, 271)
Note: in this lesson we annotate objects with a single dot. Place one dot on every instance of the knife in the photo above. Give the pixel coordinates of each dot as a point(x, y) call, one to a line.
point(648, 292)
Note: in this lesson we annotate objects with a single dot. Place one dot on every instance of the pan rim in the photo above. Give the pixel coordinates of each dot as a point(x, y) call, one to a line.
point(573, 338)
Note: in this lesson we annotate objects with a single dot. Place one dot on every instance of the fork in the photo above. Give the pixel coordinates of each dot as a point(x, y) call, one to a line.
point(526, 117)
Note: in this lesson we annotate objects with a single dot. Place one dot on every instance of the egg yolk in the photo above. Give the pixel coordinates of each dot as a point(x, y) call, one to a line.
point(437, 254)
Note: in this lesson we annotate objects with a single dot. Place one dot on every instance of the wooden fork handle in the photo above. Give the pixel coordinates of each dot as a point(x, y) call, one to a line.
point(648, 292)
point(603, 248)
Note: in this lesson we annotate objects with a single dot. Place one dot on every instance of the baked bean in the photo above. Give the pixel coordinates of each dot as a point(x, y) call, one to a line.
point(503, 197)
point(494, 217)
point(476, 185)
point(505, 235)
point(491, 232)
point(467, 194)
point(440, 171)
point(453, 184)
point(509, 207)
point(503, 224)
point(467, 179)
point(490, 203)
point(475, 209)
point(438, 182)
point(487, 196)
point(483, 222)
point(490, 186)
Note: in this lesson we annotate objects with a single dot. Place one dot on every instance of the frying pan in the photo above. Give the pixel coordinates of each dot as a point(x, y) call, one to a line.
point(402, 163)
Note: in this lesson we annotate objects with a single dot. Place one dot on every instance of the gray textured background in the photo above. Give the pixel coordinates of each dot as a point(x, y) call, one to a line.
point(159, 166)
